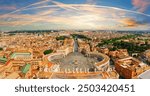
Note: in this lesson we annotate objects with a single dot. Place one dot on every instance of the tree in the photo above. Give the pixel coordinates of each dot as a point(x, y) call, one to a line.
point(1, 48)
point(61, 37)
point(48, 51)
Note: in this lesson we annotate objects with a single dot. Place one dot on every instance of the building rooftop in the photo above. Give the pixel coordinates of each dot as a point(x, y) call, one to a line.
point(19, 53)
point(13, 75)
point(145, 75)
point(26, 68)
point(3, 60)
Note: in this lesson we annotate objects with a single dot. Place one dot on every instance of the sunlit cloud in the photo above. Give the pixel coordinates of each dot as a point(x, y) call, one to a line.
point(25, 19)
point(74, 16)
point(129, 22)
point(141, 5)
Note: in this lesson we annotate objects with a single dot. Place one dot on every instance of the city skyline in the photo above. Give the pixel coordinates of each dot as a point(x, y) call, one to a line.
point(74, 14)
point(74, 55)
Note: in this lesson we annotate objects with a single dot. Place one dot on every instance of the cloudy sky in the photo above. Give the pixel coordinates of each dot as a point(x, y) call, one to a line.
point(74, 14)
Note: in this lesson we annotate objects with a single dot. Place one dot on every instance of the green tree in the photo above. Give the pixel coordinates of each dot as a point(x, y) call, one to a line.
point(1, 48)
point(61, 37)
point(48, 51)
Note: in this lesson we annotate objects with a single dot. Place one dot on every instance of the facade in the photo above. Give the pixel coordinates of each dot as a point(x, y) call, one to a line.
point(83, 45)
point(103, 50)
point(129, 67)
point(120, 53)
point(21, 56)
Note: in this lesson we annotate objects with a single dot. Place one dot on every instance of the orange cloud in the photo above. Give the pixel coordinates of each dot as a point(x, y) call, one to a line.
point(80, 16)
point(141, 5)
point(129, 22)
point(25, 19)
